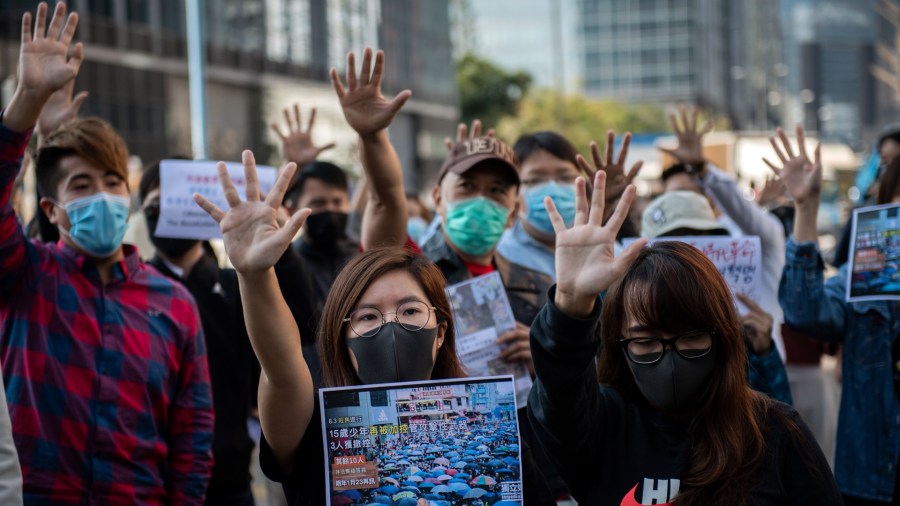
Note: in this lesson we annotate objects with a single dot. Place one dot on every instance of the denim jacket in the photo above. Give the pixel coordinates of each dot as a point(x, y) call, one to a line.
point(868, 439)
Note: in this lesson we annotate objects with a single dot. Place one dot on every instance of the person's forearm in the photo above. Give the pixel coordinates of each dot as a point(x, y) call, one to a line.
point(749, 216)
point(13, 257)
point(812, 305)
point(272, 329)
point(805, 221)
point(23, 110)
point(574, 306)
point(286, 395)
point(385, 217)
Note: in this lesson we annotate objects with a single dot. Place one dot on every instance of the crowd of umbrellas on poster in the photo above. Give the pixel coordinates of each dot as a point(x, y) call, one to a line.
point(477, 470)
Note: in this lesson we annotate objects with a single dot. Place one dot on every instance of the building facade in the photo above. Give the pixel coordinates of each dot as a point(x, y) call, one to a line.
point(262, 56)
point(660, 51)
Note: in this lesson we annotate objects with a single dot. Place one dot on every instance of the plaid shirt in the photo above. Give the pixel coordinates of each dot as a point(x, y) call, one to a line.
point(108, 386)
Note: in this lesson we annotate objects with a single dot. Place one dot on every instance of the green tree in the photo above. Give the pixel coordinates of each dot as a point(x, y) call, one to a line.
point(579, 118)
point(486, 91)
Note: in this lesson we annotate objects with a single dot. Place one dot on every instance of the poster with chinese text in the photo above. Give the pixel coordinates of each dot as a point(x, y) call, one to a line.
point(455, 441)
point(179, 180)
point(739, 259)
point(874, 272)
point(481, 314)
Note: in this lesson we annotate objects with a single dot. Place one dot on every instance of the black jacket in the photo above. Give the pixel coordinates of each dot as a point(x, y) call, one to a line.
point(233, 371)
point(609, 449)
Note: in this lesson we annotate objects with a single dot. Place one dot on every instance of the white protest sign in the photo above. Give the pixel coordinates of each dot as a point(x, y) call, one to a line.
point(481, 314)
point(739, 259)
point(179, 180)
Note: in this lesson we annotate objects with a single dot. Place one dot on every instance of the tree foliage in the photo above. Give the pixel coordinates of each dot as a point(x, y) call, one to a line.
point(486, 91)
point(580, 119)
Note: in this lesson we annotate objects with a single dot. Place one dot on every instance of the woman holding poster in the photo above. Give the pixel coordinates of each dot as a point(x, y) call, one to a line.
point(868, 435)
point(387, 319)
point(673, 420)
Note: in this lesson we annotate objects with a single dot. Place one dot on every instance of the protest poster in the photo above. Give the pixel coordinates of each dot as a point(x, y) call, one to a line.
point(874, 272)
point(179, 180)
point(452, 441)
point(739, 259)
point(481, 314)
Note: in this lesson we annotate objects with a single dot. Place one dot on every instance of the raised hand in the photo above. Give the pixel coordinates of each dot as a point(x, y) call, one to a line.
point(801, 175)
point(297, 144)
point(47, 63)
point(365, 108)
point(757, 325)
point(463, 133)
point(254, 239)
point(616, 177)
point(60, 108)
point(585, 261)
point(690, 138)
point(771, 192)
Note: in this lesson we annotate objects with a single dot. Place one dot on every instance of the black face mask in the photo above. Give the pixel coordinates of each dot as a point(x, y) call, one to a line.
point(674, 384)
point(326, 227)
point(394, 354)
point(168, 246)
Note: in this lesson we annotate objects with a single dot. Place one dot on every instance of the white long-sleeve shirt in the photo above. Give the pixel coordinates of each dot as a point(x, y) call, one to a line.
point(753, 220)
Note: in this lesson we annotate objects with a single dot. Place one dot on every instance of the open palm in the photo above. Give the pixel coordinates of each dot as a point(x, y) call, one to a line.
point(254, 240)
point(367, 111)
point(45, 64)
point(60, 108)
point(585, 261)
point(801, 175)
point(297, 144)
point(616, 177)
point(689, 135)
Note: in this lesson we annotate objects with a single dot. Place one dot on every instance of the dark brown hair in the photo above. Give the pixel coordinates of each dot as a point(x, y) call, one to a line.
point(889, 183)
point(92, 139)
point(672, 286)
point(353, 280)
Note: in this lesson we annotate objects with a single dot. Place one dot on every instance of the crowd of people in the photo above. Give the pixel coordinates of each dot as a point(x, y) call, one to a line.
point(132, 382)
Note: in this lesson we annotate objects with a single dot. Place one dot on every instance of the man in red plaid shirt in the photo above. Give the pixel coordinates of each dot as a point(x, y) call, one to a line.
point(102, 356)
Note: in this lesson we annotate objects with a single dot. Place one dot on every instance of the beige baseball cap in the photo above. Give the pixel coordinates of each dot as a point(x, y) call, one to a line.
point(678, 209)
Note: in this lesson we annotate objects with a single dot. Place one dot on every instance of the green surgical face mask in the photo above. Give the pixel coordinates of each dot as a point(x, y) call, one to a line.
point(475, 225)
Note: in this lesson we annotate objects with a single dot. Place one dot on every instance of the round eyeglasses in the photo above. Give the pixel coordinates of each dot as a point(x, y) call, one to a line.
point(412, 316)
point(649, 350)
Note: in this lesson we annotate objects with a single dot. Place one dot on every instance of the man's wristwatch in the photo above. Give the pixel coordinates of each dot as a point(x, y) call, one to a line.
point(695, 168)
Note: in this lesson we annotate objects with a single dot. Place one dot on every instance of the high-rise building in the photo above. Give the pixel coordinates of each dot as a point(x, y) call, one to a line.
point(756, 71)
point(537, 36)
point(655, 50)
point(262, 55)
point(829, 46)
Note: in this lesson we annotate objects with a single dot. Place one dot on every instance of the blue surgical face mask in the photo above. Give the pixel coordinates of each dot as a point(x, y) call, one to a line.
point(97, 223)
point(416, 227)
point(563, 196)
point(475, 225)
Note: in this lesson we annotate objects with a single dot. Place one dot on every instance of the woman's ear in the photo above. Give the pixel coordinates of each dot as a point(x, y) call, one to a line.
point(442, 331)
